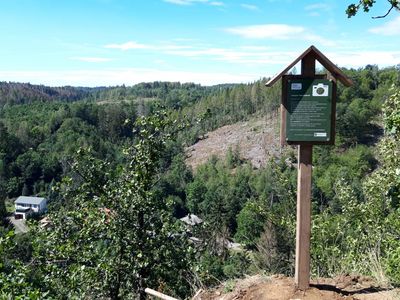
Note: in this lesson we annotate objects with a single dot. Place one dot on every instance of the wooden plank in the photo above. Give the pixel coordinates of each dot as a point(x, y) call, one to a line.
point(332, 68)
point(324, 61)
point(158, 294)
point(291, 65)
point(303, 225)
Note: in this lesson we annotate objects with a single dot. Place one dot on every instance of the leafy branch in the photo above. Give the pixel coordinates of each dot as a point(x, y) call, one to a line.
point(366, 5)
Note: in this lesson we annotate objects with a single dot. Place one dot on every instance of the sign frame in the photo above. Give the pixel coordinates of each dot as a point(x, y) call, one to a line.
point(284, 110)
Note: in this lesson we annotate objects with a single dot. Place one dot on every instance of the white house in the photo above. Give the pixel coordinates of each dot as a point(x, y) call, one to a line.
point(26, 205)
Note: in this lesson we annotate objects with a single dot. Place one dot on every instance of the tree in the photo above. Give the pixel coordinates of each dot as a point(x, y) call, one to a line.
point(111, 237)
point(251, 221)
point(366, 5)
point(364, 236)
point(14, 276)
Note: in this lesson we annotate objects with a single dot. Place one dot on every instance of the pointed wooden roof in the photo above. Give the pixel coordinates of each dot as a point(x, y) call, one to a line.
point(323, 60)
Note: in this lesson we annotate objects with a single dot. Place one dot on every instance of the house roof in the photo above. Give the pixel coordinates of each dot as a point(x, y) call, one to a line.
point(29, 200)
point(323, 60)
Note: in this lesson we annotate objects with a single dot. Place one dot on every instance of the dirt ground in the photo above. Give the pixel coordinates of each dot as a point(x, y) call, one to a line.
point(257, 139)
point(279, 287)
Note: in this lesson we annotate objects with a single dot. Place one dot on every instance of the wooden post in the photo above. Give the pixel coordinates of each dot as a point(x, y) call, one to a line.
point(308, 65)
point(303, 228)
point(303, 224)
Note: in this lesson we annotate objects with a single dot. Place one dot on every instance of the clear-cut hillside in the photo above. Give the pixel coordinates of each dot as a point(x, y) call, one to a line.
point(257, 139)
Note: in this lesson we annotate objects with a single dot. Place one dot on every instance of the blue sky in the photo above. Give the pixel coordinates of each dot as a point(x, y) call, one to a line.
point(112, 42)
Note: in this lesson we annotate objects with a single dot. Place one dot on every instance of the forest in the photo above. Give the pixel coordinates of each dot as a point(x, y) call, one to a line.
point(111, 161)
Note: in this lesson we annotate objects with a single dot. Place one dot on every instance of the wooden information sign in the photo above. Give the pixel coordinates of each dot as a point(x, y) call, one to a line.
point(308, 110)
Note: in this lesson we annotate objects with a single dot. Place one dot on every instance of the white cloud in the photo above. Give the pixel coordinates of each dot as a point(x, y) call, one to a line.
point(216, 3)
point(127, 46)
point(179, 2)
point(268, 57)
point(137, 46)
point(316, 39)
point(251, 55)
point(91, 59)
point(279, 32)
point(272, 60)
point(275, 31)
point(318, 7)
point(190, 2)
point(249, 6)
point(390, 28)
point(166, 47)
point(245, 55)
point(255, 48)
point(314, 10)
point(314, 14)
point(123, 76)
point(362, 58)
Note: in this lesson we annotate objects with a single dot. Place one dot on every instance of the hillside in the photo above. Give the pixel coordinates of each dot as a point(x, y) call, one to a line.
point(174, 94)
point(100, 165)
point(13, 93)
point(257, 140)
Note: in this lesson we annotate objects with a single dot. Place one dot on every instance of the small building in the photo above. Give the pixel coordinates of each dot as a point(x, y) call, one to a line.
point(24, 206)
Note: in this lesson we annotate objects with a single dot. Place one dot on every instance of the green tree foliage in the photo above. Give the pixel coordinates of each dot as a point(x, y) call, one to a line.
point(218, 195)
point(37, 139)
point(15, 277)
point(251, 222)
point(238, 203)
point(97, 213)
point(353, 123)
point(353, 165)
point(233, 157)
point(364, 236)
point(111, 237)
point(358, 107)
point(173, 184)
point(12, 93)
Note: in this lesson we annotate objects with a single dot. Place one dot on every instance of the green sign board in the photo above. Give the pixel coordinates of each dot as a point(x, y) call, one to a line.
point(309, 110)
